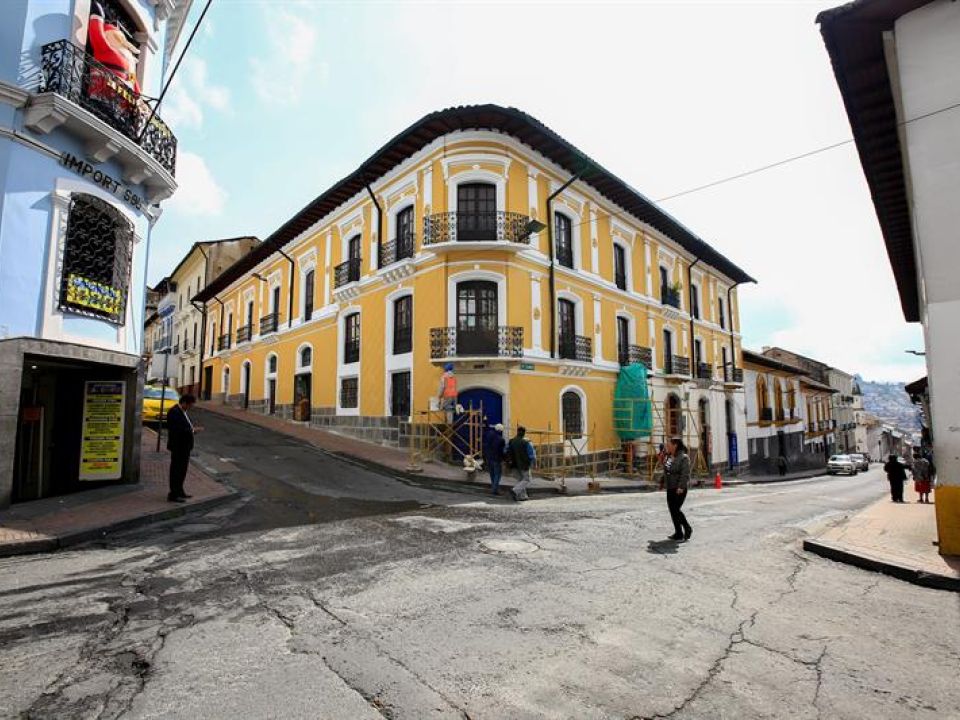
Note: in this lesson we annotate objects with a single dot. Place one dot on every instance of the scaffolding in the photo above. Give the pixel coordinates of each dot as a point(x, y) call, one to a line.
point(643, 458)
point(446, 436)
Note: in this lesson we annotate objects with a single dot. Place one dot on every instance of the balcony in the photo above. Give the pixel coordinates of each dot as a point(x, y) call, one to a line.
point(704, 371)
point(176, 349)
point(88, 98)
point(504, 341)
point(243, 334)
point(732, 375)
point(268, 323)
point(635, 355)
point(508, 229)
point(396, 250)
point(576, 347)
point(224, 342)
point(766, 414)
point(670, 296)
point(677, 365)
point(346, 272)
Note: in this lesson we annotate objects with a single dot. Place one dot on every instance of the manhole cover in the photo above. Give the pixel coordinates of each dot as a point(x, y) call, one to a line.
point(508, 547)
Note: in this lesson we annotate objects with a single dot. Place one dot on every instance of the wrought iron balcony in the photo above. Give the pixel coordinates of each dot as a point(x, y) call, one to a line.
point(176, 349)
point(346, 272)
point(505, 341)
point(396, 250)
point(68, 71)
point(224, 341)
point(766, 414)
point(497, 226)
point(243, 334)
point(268, 323)
point(676, 365)
point(576, 347)
point(636, 355)
point(704, 371)
point(732, 374)
point(670, 296)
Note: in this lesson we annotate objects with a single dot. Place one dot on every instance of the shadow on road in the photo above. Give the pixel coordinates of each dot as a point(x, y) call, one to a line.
point(663, 547)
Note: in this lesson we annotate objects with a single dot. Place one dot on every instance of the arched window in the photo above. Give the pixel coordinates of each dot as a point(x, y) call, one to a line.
point(272, 364)
point(572, 410)
point(306, 357)
point(778, 398)
point(763, 410)
point(673, 416)
point(308, 292)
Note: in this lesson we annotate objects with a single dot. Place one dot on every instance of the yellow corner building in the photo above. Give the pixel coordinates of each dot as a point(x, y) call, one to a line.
point(480, 238)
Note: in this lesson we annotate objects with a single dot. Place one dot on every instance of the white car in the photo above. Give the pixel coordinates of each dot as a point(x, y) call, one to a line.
point(841, 464)
point(861, 461)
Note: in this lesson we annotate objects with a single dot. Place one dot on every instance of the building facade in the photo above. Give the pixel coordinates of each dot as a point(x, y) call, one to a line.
point(897, 64)
point(84, 163)
point(479, 238)
point(789, 416)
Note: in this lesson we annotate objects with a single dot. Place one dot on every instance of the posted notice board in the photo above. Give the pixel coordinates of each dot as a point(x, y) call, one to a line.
point(101, 448)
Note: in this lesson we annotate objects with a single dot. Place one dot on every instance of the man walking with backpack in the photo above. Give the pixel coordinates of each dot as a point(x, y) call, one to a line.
point(521, 456)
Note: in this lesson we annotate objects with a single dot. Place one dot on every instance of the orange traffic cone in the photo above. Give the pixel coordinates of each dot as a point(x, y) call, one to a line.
point(718, 481)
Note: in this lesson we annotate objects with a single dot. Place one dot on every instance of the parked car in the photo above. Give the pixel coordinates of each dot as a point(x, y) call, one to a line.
point(841, 464)
point(862, 461)
point(152, 394)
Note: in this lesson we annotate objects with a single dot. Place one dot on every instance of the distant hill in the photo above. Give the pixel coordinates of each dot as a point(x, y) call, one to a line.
point(890, 403)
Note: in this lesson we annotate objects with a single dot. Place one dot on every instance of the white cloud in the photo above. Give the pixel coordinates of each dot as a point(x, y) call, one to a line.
point(198, 194)
point(280, 76)
point(190, 93)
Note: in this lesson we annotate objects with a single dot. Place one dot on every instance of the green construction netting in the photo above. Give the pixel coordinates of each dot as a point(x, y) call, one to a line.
point(632, 418)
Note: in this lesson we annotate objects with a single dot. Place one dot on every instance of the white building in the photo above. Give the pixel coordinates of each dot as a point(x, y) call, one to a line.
point(897, 64)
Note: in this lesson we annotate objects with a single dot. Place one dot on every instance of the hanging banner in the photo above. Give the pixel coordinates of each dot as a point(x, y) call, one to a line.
point(101, 448)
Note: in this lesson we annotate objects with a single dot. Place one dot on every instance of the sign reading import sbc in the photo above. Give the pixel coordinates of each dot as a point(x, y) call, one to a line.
point(101, 448)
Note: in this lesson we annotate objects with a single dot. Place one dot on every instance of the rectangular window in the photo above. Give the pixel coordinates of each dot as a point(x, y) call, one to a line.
point(351, 338)
point(403, 325)
point(348, 392)
point(722, 318)
point(308, 292)
point(623, 340)
point(667, 351)
point(400, 394)
point(564, 230)
point(695, 301)
point(620, 267)
point(96, 259)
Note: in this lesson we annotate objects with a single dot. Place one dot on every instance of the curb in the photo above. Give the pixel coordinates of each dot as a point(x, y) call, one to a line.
point(839, 553)
point(69, 539)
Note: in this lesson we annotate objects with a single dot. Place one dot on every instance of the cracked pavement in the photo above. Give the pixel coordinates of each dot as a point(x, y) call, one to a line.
point(329, 591)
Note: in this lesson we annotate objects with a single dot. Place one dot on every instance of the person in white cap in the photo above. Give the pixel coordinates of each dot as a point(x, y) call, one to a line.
point(493, 448)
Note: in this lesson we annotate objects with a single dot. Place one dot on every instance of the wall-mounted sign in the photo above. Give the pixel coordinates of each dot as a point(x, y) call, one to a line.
point(86, 169)
point(83, 292)
point(101, 446)
point(527, 366)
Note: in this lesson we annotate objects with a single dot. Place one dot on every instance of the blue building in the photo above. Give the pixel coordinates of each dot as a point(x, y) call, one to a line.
point(85, 162)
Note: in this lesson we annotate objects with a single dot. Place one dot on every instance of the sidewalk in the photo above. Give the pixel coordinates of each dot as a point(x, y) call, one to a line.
point(57, 522)
point(396, 461)
point(893, 539)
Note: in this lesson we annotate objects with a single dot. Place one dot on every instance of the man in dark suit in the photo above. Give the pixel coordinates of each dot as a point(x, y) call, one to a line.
point(180, 444)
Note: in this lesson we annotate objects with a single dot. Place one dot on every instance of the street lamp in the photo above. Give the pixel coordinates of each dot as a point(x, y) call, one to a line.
point(532, 227)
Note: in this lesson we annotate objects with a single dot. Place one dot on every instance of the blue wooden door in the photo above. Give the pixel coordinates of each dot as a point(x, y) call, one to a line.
point(490, 401)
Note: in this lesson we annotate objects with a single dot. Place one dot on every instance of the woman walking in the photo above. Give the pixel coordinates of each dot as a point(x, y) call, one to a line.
point(896, 476)
point(922, 478)
point(677, 476)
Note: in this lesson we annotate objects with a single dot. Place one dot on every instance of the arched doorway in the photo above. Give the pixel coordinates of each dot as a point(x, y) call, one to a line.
point(490, 402)
point(245, 372)
point(703, 423)
point(731, 428)
point(302, 385)
point(673, 424)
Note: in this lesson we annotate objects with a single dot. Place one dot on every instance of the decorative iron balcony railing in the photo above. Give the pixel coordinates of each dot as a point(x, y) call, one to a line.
point(176, 349)
point(677, 365)
point(69, 72)
point(576, 347)
point(732, 375)
point(669, 296)
point(476, 227)
point(243, 334)
point(224, 341)
point(636, 355)
point(704, 371)
point(268, 323)
point(501, 341)
point(396, 250)
point(346, 272)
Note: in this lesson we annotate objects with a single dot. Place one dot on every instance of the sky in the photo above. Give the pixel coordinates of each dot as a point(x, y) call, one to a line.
point(278, 99)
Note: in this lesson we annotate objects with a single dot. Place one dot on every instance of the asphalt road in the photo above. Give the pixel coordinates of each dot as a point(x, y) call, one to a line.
point(329, 591)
